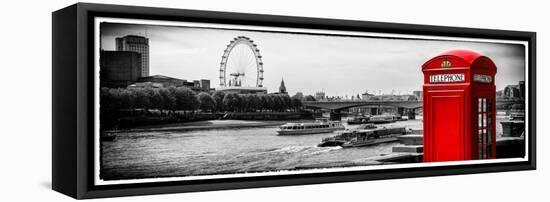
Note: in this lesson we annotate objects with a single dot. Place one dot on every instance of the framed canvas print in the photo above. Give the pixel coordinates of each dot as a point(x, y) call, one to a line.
point(156, 100)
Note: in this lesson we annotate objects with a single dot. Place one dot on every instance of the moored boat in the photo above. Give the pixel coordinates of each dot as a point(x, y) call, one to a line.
point(365, 135)
point(319, 126)
point(385, 118)
point(358, 120)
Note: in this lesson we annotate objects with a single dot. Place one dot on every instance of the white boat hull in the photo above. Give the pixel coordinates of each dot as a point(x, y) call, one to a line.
point(309, 131)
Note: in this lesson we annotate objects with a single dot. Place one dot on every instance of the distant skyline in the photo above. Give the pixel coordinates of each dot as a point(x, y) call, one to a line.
point(337, 65)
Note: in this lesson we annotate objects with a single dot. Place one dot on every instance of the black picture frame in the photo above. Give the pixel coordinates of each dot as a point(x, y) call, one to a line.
point(73, 103)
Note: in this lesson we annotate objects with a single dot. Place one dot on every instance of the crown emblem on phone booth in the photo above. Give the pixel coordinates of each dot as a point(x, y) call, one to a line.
point(446, 63)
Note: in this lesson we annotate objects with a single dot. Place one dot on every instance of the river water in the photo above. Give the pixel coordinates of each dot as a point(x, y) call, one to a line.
point(134, 155)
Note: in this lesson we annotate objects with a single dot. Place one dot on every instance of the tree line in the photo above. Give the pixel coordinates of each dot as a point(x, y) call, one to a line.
point(171, 99)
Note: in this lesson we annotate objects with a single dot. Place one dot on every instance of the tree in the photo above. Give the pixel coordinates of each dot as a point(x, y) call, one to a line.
point(250, 102)
point(168, 98)
point(186, 99)
point(264, 102)
point(230, 102)
point(287, 102)
point(126, 99)
point(157, 100)
point(245, 104)
point(239, 103)
point(207, 102)
point(255, 102)
point(270, 103)
point(192, 100)
point(296, 103)
point(107, 99)
point(142, 99)
point(309, 98)
point(278, 102)
point(298, 95)
point(218, 97)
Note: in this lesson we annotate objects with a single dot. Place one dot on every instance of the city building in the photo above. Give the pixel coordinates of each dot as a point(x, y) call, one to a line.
point(164, 81)
point(282, 87)
point(136, 44)
point(198, 85)
point(205, 84)
point(390, 97)
point(146, 85)
point(320, 96)
point(500, 93)
point(418, 94)
point(119, 68)
point(512, 91)
point(366, 95)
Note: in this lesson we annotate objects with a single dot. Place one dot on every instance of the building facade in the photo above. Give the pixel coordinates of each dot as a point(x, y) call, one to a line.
point(320, 96)
point(282, 87)
point(202, 85)
point(366, 95)
point(418, 94)
point(136, 44)
point(165, 81)
point(205, 84)
point(119, 68)
point(390, 97)
point(512, 91)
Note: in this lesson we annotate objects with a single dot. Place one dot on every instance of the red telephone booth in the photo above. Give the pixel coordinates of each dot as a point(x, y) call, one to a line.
point(459, 107)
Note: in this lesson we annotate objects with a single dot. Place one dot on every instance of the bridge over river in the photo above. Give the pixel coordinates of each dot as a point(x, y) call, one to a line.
point(404, 107)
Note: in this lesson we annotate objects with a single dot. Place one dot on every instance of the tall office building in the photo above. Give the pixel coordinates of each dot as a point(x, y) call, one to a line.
point(205, 84)
point(136, 44)
point(119, 68)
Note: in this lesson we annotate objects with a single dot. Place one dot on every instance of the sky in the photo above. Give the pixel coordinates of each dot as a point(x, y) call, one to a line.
point(337, 65)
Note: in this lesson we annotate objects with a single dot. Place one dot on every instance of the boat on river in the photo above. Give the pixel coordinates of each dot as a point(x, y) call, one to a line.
point(319, 126)
point(358, 120)
point(385, 118)
point(377, 119)
point(364, 135)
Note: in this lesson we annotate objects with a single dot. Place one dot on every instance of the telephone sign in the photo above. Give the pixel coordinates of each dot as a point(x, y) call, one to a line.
point(436, 78)
point(483, 78)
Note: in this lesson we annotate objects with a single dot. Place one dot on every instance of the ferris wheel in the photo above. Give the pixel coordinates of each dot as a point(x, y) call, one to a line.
point(242, 61)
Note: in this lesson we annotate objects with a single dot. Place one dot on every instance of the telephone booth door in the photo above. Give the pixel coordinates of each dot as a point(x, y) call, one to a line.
point(447, 147)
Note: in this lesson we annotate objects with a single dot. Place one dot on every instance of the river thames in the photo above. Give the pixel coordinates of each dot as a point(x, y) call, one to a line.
point(151, 154)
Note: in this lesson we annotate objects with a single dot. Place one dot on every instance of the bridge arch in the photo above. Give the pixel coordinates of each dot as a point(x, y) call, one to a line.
point(341, 105)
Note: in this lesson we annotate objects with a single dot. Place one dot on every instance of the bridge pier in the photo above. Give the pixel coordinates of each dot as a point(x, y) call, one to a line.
point(411, 114)
point(374, 111)
point(401, 111)
point(335, 115)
